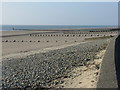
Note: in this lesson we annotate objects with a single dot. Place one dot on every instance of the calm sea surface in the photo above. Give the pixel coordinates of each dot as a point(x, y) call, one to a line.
point(46, 27)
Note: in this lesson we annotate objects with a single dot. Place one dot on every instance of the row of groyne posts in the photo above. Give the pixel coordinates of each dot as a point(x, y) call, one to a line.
point(32, 41)
point(75, 34)
point(65, 34)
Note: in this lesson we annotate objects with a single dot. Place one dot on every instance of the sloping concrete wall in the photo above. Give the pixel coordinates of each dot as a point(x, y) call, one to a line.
point(108, 78)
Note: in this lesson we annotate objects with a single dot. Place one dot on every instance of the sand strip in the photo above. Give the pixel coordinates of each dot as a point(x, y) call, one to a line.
point(27, 53)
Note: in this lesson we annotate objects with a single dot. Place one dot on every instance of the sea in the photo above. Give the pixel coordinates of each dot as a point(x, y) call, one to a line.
point(50, 27)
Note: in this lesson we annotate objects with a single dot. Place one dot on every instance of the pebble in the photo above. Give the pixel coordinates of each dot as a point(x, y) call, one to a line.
point(80, 82)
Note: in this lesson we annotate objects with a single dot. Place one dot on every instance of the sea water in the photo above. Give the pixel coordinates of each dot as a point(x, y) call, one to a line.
point(49, 27)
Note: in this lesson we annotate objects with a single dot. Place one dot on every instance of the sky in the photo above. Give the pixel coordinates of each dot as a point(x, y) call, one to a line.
point(59, 13)
point(60, 0)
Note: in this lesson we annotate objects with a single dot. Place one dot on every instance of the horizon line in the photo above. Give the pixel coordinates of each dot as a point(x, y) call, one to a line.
point(58, 24)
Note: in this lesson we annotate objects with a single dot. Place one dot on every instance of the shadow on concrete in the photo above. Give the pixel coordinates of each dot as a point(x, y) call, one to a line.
point(117, 59)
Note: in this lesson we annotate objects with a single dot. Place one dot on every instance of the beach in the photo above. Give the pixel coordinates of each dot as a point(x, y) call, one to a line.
point(59, 45)
point(20, 41)
point(31, 60)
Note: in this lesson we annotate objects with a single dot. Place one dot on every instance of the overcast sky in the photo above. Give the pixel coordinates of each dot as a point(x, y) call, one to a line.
point(60, 13)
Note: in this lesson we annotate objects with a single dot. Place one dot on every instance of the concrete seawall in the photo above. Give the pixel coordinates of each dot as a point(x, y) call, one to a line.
point(117, 59)
point(110, 69)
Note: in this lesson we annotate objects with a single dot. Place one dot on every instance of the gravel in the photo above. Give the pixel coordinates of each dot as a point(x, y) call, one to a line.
point(39, 70)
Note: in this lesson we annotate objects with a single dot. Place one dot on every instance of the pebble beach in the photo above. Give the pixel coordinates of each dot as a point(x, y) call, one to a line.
point(42, 69)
